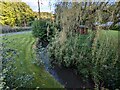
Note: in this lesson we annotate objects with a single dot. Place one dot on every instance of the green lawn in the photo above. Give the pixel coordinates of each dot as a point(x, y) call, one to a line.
point(109, 35)
point(24, 44)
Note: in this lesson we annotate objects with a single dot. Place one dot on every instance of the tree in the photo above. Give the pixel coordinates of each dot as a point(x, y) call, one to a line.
point(86, 13)
point(16, 14)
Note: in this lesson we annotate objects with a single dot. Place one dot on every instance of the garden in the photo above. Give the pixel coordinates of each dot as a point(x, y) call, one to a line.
point(77, 49)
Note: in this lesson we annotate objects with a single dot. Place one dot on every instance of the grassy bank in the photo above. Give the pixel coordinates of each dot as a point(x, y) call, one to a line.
point(25, 63)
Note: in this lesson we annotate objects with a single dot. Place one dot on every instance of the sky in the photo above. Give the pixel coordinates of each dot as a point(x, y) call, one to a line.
point(45, 5)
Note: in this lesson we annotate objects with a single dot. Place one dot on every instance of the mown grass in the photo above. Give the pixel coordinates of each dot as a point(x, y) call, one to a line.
point(24, 61)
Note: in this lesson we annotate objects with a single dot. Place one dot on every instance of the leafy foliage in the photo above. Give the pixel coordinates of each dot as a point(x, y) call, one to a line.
point(19, 14)
point(94, 56)
point(43, 29)
point(39, 28)
point(16, 14)
point(100, 63)
point(44, 15)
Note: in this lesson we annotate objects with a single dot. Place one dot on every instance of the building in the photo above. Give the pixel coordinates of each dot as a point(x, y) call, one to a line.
point(82, 29)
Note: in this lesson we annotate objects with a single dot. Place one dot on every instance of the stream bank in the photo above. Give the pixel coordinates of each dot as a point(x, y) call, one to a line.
point(66, 76)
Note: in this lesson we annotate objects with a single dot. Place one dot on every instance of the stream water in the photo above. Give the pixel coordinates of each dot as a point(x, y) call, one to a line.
point(67, 77)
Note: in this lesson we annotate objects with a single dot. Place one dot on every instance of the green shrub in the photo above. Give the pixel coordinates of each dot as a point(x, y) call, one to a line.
point(39, 29)
point(99, 62)
point(43, 29)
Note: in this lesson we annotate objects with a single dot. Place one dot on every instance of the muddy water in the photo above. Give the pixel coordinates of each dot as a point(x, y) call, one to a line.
point(67, 77)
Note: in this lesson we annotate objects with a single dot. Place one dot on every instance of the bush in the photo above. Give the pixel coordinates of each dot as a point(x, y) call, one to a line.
point(43, 29)
point(39, 29)
point(99, 62)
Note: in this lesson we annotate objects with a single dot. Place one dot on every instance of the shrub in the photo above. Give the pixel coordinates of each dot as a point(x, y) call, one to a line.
point(39, 29)
point(99, 62)
point(43, 29)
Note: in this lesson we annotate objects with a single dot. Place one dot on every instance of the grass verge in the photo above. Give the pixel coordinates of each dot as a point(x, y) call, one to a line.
point(24, 63)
